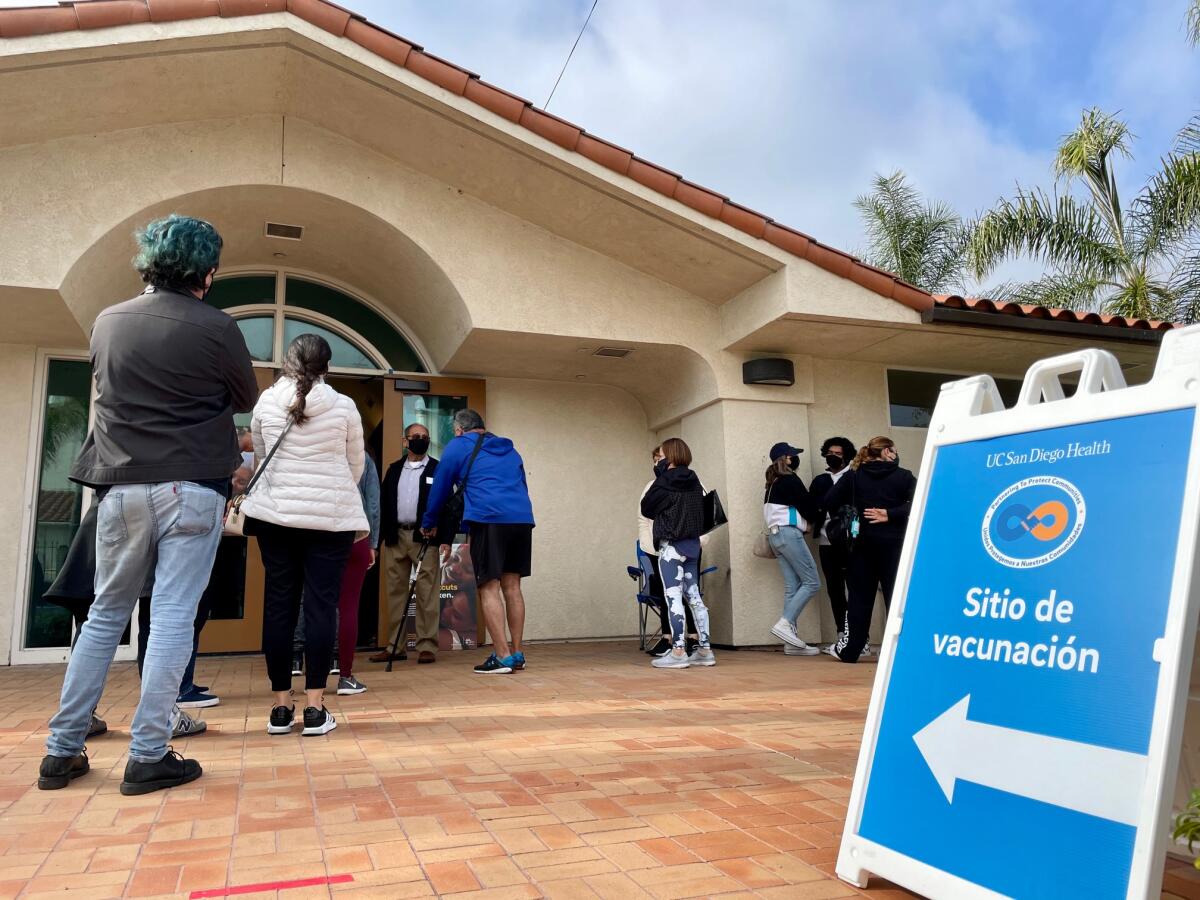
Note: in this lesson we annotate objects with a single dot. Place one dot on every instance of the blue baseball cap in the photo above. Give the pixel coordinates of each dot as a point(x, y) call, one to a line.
point(784, 449)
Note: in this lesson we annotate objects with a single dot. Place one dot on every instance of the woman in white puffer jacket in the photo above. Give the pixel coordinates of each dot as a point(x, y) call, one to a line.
point(306, 512)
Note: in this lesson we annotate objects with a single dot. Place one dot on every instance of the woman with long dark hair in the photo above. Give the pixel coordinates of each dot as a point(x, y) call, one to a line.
point(881, 493)
point(306, 512)
point(675, 503)
point(787, 510)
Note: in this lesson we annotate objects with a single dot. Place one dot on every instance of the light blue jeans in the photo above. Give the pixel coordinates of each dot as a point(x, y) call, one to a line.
point(800, 579)
point(183, 521)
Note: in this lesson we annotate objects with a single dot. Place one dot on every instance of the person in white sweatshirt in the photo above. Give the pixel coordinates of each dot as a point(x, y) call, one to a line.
point(306, 512)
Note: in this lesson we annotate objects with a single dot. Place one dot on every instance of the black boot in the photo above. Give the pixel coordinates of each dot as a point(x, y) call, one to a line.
point(58, 771)
point(170, 771)
point(97, 726)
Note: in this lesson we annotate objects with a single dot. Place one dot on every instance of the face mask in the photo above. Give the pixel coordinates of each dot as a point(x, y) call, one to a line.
point(418, 445)
point(660, 467)
point(835, 463)
point(896, 459)
point(793, 463)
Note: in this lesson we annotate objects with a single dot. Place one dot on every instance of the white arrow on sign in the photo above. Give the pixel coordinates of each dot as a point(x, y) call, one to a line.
point(1094, 780)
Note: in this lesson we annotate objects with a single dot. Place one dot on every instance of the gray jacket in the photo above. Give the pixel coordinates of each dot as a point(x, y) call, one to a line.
point(170, 373)
point(368, 486)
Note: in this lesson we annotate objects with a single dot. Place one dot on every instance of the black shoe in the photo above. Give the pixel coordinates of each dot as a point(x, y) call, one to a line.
point(318, 721)
point(282, 719)
point(492, 666)
point(170, 771)
point(97, 726)
point(58, 771)
point(661, 647)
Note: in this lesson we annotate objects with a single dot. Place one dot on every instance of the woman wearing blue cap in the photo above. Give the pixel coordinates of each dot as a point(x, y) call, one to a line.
point(787, 509)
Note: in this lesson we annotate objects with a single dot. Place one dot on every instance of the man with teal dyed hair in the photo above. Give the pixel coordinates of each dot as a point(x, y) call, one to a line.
point(170, 373)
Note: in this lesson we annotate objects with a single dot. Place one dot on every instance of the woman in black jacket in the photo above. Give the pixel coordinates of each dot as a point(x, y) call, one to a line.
point(675, 502)
point(881, 493)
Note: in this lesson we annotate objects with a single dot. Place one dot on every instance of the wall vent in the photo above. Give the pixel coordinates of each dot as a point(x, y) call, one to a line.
point(285, 232)
point(613, 352)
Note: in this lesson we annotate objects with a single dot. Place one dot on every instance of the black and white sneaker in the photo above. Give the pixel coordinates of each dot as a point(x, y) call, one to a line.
point(492, 666)
point(282, 719)
point(318, 721)
point(348, 684)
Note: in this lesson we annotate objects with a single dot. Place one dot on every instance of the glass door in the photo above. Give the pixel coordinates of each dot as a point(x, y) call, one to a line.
point(431, 402)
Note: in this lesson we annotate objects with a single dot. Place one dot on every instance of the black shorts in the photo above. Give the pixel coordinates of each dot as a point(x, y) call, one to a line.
point(500, 550)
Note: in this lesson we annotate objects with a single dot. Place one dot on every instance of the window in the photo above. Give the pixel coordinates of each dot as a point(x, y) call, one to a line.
point(912, 395)
point(271, 310)
point(259, 333)
point(59, 500)
point(345, 354)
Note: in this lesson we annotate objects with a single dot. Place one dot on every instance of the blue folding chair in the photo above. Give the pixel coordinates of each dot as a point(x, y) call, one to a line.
point(641, 573)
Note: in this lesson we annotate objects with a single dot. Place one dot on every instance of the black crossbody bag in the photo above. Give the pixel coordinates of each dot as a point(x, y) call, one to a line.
point(456, 503)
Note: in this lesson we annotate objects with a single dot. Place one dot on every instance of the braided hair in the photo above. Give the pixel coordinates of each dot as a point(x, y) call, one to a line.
point(306, 362)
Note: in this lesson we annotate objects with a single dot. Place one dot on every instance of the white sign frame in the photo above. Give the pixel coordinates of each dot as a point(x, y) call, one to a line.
point(970, 410)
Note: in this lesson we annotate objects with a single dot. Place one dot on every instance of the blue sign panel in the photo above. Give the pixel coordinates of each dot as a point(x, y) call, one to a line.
point(1013, 737)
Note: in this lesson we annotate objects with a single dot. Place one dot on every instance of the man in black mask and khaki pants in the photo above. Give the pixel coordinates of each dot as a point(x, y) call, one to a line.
point(405, 495)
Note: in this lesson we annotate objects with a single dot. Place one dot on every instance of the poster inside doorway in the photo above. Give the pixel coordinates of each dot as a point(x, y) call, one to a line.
point(457, 628)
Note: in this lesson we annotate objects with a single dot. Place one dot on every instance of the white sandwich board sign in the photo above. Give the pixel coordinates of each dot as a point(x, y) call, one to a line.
point(1024, 727)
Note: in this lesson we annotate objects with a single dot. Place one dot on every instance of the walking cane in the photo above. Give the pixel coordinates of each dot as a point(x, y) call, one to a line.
point(402, 630)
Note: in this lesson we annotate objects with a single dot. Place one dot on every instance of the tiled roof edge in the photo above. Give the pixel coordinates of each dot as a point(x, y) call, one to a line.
point(70, 15)
point(1023, 310)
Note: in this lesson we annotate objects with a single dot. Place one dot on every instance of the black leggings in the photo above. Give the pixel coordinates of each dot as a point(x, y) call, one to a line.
point(873, 567)
point(834, 565)
point(301, 563)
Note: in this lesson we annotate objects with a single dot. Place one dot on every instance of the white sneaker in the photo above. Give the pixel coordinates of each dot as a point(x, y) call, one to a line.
point(832, 651)
point(803, 650)
point(703, 657)
point(786, 632)
point(868, 652)
point(671, 661)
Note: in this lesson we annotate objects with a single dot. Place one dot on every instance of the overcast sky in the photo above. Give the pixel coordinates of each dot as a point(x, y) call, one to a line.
point(790, 107)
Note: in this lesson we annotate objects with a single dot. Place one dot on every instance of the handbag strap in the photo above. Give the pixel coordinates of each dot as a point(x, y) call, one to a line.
point(471, 462)
point(265, 462)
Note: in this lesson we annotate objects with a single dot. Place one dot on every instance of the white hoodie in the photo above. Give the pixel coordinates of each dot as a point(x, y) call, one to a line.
point(312, 481)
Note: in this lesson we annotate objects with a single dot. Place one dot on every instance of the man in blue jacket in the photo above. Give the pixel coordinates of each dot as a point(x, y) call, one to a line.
point(498, 519)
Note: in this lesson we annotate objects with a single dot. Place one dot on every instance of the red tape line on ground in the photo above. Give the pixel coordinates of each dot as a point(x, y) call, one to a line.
point(269, 886)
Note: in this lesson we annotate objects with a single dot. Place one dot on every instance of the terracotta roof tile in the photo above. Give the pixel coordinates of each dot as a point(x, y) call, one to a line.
point(324, 15)
point(1022, 310)
point(744, 219)
point(233, 8)
point(552, 128)
point(27, 22)
point(502, 103)
point(402, 52)
point(382, 43)
point(700, 199)
point(111, 13)
point(174, 10)
point(440, 72)
point(654, 177)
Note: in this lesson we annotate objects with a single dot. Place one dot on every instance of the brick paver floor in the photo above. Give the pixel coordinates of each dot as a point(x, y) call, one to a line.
point(587, 775)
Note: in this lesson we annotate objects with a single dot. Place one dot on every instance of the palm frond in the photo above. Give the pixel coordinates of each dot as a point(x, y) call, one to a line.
point(1081, 292)
point(1059, 231)
point(1085, 153)
point(1167, 210)
point(1188, 138)
point(1193, 23)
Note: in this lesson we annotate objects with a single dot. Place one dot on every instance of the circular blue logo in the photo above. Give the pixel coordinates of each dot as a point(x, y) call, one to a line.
point(1033, 522)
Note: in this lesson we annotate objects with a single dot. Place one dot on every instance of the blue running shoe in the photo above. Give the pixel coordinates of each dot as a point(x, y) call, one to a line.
point(518, 661)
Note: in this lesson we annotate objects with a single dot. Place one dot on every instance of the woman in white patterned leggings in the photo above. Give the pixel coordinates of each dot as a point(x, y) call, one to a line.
point(676, 504)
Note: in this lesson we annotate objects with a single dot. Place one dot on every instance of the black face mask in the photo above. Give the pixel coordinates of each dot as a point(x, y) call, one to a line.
point(835, 463)
point(793, 463)
point(660, 466)
point(418, 445)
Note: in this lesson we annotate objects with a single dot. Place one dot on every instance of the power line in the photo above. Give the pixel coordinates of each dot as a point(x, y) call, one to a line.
point(546, 105)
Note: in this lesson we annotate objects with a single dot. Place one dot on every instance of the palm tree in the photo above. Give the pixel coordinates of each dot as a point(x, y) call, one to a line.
point(1140, 262)
point(921, 242)
point(1193, 23)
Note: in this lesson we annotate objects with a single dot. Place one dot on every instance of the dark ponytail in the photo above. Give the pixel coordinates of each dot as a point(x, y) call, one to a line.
point(306, 362)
